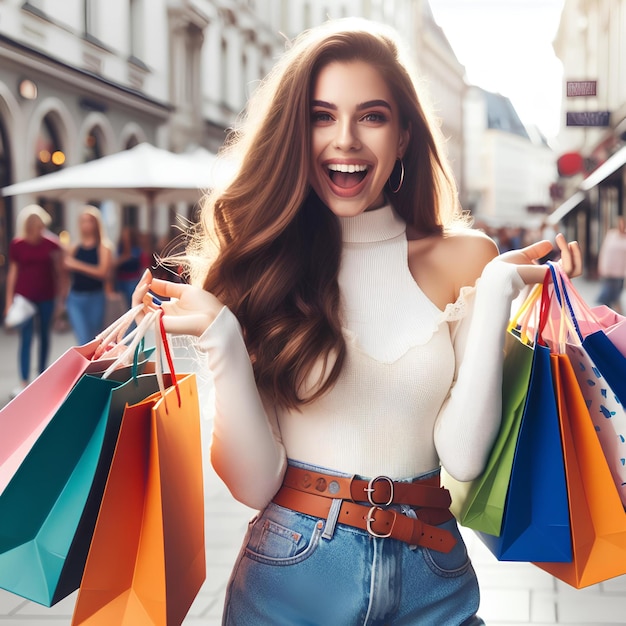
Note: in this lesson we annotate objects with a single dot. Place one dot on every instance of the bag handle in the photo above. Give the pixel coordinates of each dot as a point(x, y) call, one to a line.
point(164, 344)
point(544, 309)
point(118, 328)
point(135, 337)
point(522, 317)
point(567, 323)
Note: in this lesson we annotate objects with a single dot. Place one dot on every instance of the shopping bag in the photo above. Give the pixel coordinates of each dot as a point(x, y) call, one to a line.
point(597, 516)
point(49, 508)
point(480, 504)
point(591, 357)
point(24, 418)
point(536, 525)
point(20, 311)
point(147, 557)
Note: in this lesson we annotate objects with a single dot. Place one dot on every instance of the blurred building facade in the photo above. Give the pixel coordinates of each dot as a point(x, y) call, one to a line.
point(591, 43)
point(509, 167)
point(80, 79)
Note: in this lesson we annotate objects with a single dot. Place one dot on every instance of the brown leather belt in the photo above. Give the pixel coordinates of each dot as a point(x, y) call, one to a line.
point(312, 493)
point(379, 491)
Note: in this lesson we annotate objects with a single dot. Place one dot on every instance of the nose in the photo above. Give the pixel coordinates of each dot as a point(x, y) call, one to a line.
point(346, 137)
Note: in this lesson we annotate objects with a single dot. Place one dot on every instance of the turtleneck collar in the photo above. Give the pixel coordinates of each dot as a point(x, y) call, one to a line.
point(371, 226)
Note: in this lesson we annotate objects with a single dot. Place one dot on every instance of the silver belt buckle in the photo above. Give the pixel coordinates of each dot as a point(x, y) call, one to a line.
point(371, 488)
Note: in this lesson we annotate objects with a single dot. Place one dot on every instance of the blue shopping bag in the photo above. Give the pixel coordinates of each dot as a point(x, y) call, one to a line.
point(535, 525)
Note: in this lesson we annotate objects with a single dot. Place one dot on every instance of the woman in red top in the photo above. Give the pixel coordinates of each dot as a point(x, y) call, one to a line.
point(34, 272)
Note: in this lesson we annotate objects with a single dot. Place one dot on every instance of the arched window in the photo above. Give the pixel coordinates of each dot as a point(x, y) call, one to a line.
point(131, 142)
point(50, 157)
point(130, 212)
point(94, 144)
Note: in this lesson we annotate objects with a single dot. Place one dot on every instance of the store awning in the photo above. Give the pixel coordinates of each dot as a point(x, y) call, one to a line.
point(612, 164)
point(566, 207)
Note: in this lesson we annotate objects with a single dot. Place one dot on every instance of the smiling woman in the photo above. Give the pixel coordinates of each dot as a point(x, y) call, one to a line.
point(356, 135)
point(351, 347)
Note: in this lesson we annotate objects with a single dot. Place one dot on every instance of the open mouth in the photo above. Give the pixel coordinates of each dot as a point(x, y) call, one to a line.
point(346, 176)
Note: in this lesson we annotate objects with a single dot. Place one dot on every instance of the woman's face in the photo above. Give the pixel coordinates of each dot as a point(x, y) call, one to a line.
point(88, 225)
point(356, 137)
point(34, 227)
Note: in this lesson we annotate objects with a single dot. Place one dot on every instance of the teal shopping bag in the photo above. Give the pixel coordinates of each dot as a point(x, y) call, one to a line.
point(49, 509)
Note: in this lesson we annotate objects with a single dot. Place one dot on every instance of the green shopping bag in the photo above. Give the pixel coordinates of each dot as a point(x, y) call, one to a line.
point(479, 504)
point(49, 509)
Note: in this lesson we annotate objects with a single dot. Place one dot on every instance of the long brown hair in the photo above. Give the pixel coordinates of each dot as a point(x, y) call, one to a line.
point(278, 247)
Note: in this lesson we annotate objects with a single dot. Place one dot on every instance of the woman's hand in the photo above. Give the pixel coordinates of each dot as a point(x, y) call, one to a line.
point(531, 272)
point(190, 312)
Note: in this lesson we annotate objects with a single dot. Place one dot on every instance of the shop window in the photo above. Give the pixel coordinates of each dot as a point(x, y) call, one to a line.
point(50, 157)
point(94, 145)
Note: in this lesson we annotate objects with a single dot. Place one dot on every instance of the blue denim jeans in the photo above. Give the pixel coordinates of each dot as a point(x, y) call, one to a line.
point(293, 571)
point(43, 320)
point(611, 291)
point(85, 310)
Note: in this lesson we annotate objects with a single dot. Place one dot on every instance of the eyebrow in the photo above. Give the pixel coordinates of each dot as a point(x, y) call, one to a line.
point(359, 107)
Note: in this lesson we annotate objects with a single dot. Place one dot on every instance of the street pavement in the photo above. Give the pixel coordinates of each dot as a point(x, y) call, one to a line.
point(513, 594)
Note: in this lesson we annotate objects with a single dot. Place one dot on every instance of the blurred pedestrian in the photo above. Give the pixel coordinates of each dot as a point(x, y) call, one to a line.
point(612, 266)
point(35, 274)
point(129, 264)
point(90, 264)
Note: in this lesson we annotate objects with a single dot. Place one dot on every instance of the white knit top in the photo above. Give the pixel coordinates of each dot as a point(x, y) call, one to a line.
point(419, 386)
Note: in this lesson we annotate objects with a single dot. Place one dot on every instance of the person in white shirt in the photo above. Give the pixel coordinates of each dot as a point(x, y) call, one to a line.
point(612, 266)
point(354, 328)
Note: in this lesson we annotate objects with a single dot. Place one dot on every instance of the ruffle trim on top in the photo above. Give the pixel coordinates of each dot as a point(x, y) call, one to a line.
point(458, 309)
point(392, 348)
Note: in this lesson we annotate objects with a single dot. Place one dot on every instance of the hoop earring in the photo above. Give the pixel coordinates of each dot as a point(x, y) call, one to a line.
point(401, 178)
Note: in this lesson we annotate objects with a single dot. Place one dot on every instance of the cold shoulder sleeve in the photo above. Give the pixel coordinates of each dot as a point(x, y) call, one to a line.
point(469, 419)
point(246, 448)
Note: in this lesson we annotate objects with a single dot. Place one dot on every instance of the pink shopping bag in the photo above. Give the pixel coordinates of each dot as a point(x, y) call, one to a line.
point(25, 417)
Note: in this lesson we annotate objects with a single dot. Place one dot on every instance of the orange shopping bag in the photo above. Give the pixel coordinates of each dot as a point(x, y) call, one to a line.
point(147, 557)
point(597, 517)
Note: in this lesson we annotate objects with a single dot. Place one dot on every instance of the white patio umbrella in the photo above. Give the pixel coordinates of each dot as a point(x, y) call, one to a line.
point(142, 173)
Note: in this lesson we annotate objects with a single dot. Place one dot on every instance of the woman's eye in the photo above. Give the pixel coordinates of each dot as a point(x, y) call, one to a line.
point(374, 117)
point(320, 116)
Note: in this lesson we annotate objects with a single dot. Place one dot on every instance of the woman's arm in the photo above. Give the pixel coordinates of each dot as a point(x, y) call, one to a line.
point(469, 420)
point(246, 449)
point(61, 281)
point(10, 285)
point(101, 271)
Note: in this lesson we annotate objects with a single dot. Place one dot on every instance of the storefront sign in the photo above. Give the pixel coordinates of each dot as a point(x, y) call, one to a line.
point(588, 118)
point(577, 88)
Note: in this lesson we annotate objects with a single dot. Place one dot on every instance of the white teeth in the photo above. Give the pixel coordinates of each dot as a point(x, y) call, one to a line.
point(344, 167)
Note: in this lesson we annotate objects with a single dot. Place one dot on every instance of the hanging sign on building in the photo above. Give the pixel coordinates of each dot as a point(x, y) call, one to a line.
point(588, 118)
point(578, 88)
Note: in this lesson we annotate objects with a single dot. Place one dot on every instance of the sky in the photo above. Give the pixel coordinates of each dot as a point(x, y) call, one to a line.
point(506, 47)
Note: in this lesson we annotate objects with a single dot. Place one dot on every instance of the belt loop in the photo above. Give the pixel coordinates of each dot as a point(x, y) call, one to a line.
point(331, 520)
point(409, 512)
